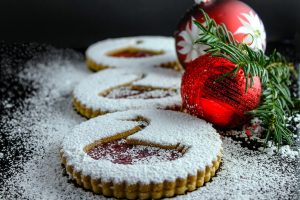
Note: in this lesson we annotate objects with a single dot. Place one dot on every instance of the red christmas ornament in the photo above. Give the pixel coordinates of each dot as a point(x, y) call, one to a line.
point(239, 19)
point(222, 102)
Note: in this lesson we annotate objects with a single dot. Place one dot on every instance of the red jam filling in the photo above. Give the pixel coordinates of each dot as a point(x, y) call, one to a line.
point(134, 53)
point(129, 93)
point(120, 152)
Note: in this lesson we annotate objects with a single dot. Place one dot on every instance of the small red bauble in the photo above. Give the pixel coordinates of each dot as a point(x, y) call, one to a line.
point(239, 19)
point(222, 102)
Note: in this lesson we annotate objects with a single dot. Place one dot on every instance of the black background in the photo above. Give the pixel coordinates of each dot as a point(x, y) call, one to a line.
point(78, 23)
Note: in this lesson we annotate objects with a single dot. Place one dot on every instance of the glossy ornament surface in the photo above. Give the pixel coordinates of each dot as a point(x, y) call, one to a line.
point(238, 17)
point(221, 102)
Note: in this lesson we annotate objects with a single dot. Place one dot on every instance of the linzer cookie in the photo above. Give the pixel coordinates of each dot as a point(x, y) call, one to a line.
point(145, 154)
point(118, 90)
point(132, 52)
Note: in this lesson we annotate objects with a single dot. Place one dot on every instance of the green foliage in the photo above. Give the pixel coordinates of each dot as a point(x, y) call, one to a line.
point(274, 72)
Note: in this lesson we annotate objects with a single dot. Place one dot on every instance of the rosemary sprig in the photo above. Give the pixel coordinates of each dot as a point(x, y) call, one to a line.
point(274, 72)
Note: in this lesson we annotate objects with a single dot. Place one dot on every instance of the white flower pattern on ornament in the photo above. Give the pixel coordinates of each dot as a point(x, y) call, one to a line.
point(189, 48)
point(254, 30)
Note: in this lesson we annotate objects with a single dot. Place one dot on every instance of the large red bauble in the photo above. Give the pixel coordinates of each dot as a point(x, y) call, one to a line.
point(239, 19)
point(223, 102)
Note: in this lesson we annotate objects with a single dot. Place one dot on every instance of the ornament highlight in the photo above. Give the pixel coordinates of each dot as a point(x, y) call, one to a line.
point(221, 102)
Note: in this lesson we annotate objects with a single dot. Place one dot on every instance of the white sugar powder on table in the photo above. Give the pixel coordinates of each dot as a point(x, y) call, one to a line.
point(48, 115)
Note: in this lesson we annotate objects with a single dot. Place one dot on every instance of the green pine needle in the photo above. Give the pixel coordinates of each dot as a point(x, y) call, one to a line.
point(274, 72)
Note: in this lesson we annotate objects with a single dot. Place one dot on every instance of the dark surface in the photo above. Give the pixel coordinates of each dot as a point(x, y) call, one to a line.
point(77, 23)
point(13, 57)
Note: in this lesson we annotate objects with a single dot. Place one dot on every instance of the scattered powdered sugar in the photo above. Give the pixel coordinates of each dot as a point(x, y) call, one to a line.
point(247, 174)
point(296, 119)
point(40, 125)
point(253, 133)
point(283, 151)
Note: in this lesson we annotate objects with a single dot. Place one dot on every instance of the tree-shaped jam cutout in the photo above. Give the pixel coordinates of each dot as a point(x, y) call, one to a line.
point(121, 151)
point(135, 91)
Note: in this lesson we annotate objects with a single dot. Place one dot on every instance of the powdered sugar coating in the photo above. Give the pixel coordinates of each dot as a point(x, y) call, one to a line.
point(165, 128)
point(88, 90)
point(98, 51)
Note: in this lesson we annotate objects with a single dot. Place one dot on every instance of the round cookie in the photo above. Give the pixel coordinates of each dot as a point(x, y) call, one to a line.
point(118, 90)
point(132, 52)
point(196, 141)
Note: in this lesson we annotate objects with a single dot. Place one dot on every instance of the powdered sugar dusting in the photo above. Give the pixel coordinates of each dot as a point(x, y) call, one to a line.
point(247, 174)
point(47, 116)
point(283, 151)
point(130, 93)
point(254, 131)
point(89, 90)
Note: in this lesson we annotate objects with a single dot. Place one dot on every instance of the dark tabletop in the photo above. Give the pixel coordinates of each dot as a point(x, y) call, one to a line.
point(27, 25)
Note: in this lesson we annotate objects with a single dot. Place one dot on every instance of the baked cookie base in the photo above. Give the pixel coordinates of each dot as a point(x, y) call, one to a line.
point(143, 191)
point(90, 113)
point(85, 111)
point(97, 67)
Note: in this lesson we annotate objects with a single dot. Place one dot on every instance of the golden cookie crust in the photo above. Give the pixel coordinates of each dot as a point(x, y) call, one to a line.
point(90, 113)
point(140, 190)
